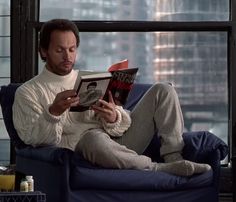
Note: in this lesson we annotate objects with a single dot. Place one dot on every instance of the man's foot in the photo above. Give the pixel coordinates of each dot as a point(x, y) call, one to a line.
point(172, 157)
point(182, 167)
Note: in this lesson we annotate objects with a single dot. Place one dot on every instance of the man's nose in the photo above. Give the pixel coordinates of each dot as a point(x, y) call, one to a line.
point(66, 54)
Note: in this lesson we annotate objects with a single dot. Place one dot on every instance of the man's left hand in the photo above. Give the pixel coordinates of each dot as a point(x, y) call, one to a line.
point(106, 110)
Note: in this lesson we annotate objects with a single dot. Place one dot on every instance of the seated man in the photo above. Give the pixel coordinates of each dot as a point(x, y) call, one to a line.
point(106, 135)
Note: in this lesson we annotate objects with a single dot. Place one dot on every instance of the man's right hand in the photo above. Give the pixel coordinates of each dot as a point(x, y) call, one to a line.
point(63, 101)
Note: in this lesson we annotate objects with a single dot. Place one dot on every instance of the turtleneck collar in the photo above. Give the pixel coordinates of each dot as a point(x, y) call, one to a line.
point(52, 77)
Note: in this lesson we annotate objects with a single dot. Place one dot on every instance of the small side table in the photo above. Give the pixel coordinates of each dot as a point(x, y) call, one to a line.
point(35, 196)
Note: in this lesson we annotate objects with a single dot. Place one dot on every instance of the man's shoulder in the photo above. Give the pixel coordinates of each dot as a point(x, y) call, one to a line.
point(29, 87)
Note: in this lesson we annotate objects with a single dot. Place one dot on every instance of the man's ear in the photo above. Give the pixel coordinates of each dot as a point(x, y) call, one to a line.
point(43, 54)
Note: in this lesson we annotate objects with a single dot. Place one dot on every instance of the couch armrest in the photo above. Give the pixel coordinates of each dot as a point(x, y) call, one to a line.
point(50, 167)
point(51, 154)
point(205, 147)
point(200, 146)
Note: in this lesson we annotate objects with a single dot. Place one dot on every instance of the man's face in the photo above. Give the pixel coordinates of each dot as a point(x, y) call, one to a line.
point(61, 53)
point(91, 88)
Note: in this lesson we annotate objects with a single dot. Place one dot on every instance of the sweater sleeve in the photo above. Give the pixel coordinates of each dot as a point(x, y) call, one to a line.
point(122, 123)
point(33, 122)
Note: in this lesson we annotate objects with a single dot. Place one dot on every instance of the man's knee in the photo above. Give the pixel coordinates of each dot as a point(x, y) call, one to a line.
point(96, 148)
point(164, 88)
point(92, 142)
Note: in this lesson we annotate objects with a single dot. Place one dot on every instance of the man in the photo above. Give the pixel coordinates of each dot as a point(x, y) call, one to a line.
point(107, 134)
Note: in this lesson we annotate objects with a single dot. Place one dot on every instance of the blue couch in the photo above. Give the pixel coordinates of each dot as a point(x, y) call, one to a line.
point(66, 177)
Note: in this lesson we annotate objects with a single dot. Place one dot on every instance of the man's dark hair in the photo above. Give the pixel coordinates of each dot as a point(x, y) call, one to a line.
point(92, 84)
point(52, 25)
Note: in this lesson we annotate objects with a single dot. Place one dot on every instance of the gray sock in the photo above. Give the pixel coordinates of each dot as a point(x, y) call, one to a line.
point(172, 157)
point(181, 168)
point(201, 167)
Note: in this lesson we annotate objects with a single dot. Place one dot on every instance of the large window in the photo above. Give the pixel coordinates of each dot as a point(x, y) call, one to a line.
point(4, 73)
point(196, 62)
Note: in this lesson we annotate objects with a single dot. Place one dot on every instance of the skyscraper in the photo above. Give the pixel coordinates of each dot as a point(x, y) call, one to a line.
point(195, 62)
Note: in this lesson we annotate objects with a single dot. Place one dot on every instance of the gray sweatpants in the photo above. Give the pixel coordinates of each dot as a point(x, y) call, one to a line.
point(158, 110)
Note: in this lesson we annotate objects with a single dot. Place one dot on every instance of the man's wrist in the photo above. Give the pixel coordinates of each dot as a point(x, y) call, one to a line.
point(52, 111)
point(49, 116)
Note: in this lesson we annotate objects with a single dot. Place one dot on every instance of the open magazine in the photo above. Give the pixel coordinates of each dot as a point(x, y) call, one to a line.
point(92, 86)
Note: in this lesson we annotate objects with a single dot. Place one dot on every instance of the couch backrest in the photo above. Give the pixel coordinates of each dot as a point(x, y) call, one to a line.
point(7, 95)
point(136, 94)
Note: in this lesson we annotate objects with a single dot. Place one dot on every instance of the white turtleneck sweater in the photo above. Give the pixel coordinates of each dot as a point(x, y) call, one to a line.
point(36, 126)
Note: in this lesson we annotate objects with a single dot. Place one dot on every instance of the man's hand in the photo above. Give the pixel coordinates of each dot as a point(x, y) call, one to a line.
point(63, 101)
point(106, 110)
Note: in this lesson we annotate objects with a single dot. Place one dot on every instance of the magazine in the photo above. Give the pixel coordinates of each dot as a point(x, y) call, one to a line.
point(92, 86)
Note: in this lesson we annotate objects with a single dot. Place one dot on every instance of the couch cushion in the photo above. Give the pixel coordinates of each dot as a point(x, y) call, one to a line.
point(86, 176)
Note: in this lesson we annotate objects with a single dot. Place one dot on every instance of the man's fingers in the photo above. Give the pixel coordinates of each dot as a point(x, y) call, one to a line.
point(74, 101)
point(105, 103)
point(66, 99)
point(111, 97)
point(68, 94)
point(102, 103)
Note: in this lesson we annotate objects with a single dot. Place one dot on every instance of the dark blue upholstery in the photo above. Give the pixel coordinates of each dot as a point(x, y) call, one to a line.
point(66, 177)
point(7, 97)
